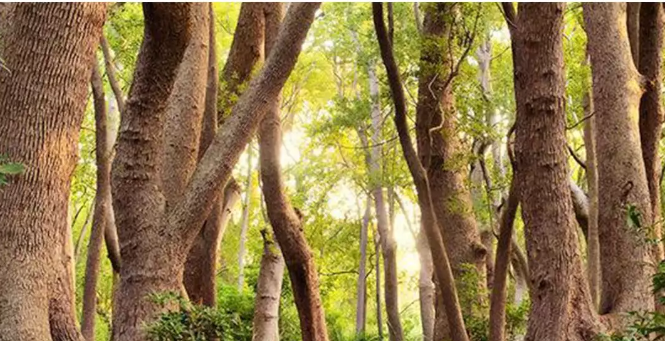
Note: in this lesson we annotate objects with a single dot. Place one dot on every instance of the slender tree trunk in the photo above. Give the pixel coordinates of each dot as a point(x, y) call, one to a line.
point(497, 318)
point(651, 111)
point(438, 143)
point(200, 267)
point(268, 291)
point(286, 222)
point(49, 49)
point(593, 245)
point(102, 206)
point(444, 273)
point(379, 314)
point(361, 286)
point(388, 244)
point(426, 291)
point(244, 225)
point(561, 307)
point(623, 192)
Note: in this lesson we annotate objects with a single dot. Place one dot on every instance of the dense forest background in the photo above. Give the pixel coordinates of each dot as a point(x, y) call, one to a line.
point(357, 171)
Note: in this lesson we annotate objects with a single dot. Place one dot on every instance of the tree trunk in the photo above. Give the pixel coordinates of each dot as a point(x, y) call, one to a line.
point(286, 223)
point(633, 27)
point(561, 307)
point(155, 241)
point(438, 143)
point(593, 245)
point(49, 49)
point(651, 112)
point(388, 244)
point(623, 192)
point(377, 265)
point(102, 206)
point(443, 270)
point(426, 291)
point(361, 286)
point(268, 291)
point(244, 225)
point(497, 317)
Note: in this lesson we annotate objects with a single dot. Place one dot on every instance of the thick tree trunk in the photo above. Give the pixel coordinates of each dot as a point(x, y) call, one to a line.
point(155, 242)
point(287, 224)
point(361, 286)
point(444, 273)
point(268, 291)
point(438, 143)
point(388, 244)
point(593, 245)
point(623, 192)
point(633, 27)
point(651, 111)
point(102, 206)
point(49, 49)
point(561, 307)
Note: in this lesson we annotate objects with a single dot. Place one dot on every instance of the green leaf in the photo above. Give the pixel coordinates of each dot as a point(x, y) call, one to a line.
point(12, 168)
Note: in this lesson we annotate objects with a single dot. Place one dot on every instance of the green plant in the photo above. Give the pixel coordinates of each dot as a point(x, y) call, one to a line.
point(8, 168)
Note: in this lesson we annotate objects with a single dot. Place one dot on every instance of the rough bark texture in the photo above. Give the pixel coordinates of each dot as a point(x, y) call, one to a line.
point(651, 111)
point(361, 286)
point(49, 50)
point(593, 245)
point(442, 269)
point(102, 206)
point(441, 152)
point(155, 242)
point(287, 224)
point(499, 293)
point(387, 239)
point(633, 27)
point(622, 181)
point(268, 292)
point(561, 307)
point(150, 256)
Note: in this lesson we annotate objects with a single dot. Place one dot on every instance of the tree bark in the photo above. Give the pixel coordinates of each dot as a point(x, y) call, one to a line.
point(244, 224)
point(593, 245)
point(49, 49)
point(102, 206)
point(443, 270)
point(426, 291)
point(498, 295)
point(438, 143)
point(561, 307)
point(361, 286)
point(633, 27)
point(287, 224)
point(623, 192)
point(268, 291)
point(155, 241)
point(651, 112)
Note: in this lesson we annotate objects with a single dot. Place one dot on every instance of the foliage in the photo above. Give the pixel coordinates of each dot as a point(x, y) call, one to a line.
point(8, 168)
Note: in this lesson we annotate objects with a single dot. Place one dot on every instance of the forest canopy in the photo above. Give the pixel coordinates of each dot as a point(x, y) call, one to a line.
point(331, 171)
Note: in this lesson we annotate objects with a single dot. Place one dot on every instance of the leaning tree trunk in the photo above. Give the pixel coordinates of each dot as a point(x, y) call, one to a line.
point(561, 307)
point(651, 111)
point(623, 192)
point(287, 225)
point(154, 240)
point(199, 275)
point(438, 144)
point(443, 271)
point(102, 206)
point(48, 50)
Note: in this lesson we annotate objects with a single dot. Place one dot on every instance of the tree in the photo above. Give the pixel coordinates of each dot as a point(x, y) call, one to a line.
point(48, 50)
point(442, 270)
point(561, 307)
point(155, 238)
point(623, 192)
